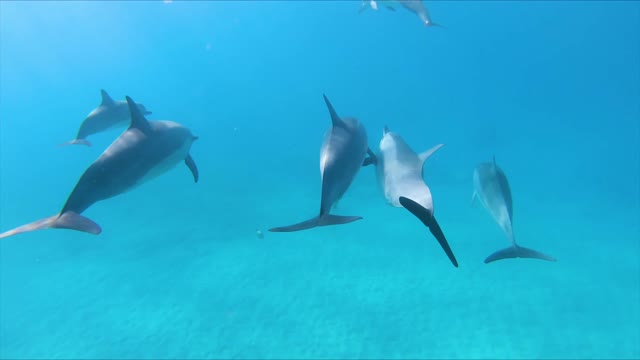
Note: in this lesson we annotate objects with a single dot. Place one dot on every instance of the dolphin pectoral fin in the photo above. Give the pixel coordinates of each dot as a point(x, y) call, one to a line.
point(76, 142)
point(371, 159)
point(192, 166)
point(425, 155)
point(324, 220)
point(391, 8)
point(516, 251)
point(427, 219)
point(68, 220)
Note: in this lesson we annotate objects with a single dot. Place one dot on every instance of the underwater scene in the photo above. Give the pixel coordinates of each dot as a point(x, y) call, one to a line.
point(365, 179)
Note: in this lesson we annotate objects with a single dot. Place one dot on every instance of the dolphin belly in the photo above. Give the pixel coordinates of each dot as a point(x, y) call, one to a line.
point(164, 165)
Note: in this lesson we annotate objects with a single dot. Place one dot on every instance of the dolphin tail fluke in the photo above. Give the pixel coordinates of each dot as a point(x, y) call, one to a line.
point(427, 218)
point(68, 220)
point(323, 220)
point(329, 219)
point(516, 251)
point(77, 142)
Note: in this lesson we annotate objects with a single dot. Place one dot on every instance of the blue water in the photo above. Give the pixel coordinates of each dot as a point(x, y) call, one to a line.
point(552, 89)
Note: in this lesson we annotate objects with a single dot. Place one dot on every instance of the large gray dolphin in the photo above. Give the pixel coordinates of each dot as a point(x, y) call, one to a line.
point(109, 114)
point(399, 173)
point(491, 187)
point(142, 152)
point(415, 6)
point(341, 156)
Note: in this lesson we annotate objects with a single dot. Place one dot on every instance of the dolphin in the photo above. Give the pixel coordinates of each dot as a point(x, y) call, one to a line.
point(142, 152)
point(415, 6)
point(491, 187)
point(341, 156)
point(109, 114)
point(399, 174)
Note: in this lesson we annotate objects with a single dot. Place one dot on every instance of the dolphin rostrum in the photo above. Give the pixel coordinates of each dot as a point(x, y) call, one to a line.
point(491, 187)
point(399, 173)
point(142, 152)
point(109, 114)
point(341, 156)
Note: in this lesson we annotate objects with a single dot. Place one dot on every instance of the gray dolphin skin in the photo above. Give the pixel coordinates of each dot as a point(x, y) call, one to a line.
point(144, 151)
point(341, 156)
point(109, 114)
point(491, 187)
point(415, 6)
point(399, 174)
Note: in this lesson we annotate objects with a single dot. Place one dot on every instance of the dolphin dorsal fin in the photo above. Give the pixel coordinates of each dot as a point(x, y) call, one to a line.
point(335, 119)
point(138, 120)
point(385, 130)
point(425, 155)
point(106, 99)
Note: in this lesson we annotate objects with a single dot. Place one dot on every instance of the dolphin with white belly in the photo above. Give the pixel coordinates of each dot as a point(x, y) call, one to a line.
point(109, 114)
point(399, 173)
point(144, 151)
point(341, 156)
point(491, 187)
point(415, 6)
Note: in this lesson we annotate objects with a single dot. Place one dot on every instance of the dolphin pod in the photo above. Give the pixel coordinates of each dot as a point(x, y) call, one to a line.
point(417, 7)
point(108, 115)
point(149, 148)
point(144, 151)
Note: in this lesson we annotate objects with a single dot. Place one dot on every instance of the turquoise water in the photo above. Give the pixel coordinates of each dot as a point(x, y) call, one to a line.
point(552, 89)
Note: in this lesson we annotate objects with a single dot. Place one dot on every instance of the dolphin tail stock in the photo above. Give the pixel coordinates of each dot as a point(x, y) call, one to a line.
point(321, 220)
point(427, 219)
point(517, 251)
point(76, 142)
point(66, 220)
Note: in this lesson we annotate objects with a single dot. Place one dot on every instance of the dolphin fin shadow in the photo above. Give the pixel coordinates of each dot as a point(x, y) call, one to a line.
point(427, 219)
